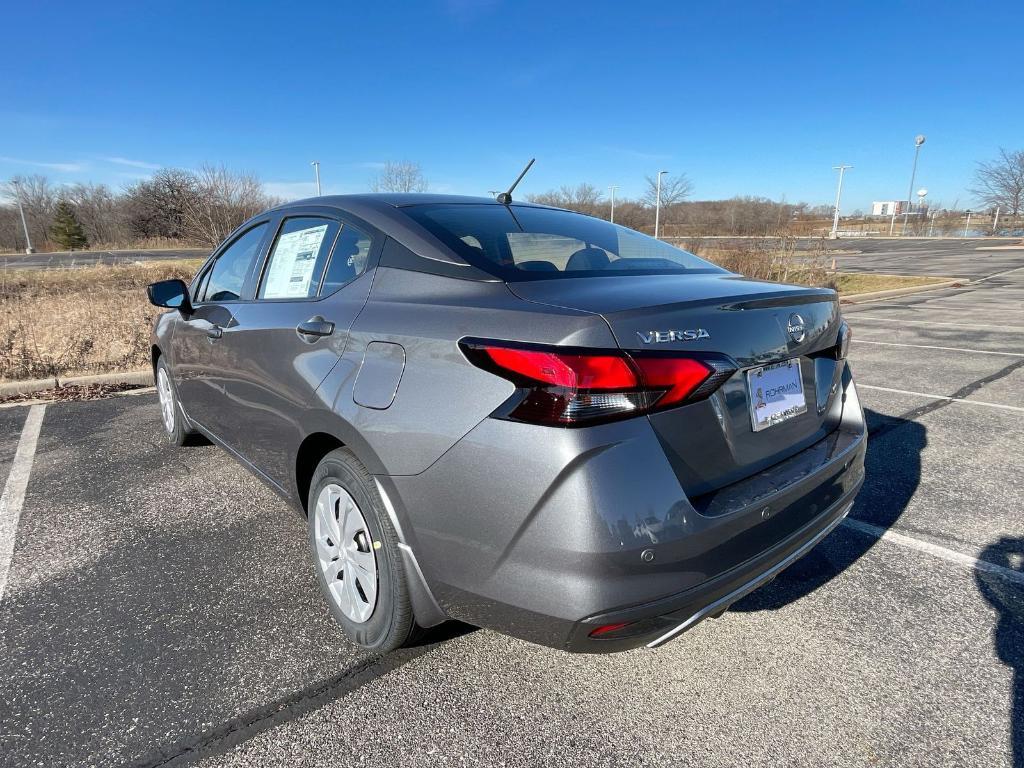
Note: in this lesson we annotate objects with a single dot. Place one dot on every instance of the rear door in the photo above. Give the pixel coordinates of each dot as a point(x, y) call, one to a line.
point(312, 284)
point(200, 366)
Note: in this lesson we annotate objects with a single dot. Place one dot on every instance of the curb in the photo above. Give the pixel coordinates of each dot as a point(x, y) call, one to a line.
point(38, 385)
point(860, 298)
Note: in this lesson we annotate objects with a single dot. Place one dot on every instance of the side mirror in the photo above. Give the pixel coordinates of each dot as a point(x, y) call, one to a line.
point(171, 294)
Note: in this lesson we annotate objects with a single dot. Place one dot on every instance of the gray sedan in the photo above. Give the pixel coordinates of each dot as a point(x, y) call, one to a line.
point(516, 416)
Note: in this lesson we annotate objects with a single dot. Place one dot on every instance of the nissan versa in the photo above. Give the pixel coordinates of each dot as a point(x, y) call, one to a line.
point(517, 416)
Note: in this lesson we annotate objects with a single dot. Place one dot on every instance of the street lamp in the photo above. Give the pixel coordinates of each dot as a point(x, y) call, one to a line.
point(612, 189)
point(839, 192)
point(918, 141)
point(657, 204)
point(316, 170)
point(28, 241)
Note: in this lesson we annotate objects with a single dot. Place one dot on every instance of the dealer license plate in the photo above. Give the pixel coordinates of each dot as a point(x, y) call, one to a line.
point(776, 393)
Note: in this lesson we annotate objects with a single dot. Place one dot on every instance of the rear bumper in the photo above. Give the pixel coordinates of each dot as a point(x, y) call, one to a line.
point(663, 620)
point(549, 534)
point(743, 589)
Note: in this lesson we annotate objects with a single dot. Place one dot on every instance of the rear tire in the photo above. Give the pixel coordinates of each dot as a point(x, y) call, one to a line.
point(170, 408)
point(356, 555)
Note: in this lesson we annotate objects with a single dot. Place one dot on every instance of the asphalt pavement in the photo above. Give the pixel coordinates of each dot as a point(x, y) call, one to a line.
point(969, 259)
point(162, 609)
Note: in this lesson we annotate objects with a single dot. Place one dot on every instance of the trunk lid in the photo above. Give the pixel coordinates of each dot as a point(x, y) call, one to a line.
point(712, 443)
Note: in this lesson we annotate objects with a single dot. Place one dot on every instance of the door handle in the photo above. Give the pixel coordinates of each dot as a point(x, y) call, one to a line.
point(314, 328)
point(214, 332)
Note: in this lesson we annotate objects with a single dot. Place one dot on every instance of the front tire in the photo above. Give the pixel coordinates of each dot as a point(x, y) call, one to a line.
point(170, 409)
point(355, 549)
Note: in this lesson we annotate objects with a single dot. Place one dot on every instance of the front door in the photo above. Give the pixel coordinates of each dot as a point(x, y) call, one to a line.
point(200, 366)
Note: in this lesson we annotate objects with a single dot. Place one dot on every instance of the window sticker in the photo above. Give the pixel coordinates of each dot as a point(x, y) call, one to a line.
point(293, 263)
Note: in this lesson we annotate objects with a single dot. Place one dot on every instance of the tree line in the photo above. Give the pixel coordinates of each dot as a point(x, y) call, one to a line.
point(679, 216)
point(202, 207)
point(173, 205)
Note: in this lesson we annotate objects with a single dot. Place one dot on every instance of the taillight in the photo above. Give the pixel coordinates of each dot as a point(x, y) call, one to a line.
point(572, 387)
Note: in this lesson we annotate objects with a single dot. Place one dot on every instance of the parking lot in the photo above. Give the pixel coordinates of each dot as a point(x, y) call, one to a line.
point(161, 608)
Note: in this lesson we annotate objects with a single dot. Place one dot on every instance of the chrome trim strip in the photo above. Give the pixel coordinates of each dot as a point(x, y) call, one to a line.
point(750, 586)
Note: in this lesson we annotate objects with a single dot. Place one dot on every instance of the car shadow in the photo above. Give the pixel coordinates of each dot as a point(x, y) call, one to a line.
point(1008, 638)
point(892, 475)
point(176, 645)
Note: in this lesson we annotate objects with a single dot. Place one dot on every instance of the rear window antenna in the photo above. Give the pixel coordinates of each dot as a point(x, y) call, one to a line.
point(506, 197)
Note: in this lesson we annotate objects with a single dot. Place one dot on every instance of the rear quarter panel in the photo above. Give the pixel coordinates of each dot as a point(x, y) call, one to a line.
point(441, 396)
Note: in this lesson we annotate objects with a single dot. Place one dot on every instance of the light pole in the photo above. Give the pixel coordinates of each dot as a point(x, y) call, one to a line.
point(967, 226)
point(657, 204)
point(316, 170)
point(24, 225)
point(918, 141)
point(612, 189)
point(995, 224)
point(839, 193)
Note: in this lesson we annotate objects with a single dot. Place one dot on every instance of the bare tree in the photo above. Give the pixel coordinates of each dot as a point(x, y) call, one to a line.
point(39, 200)
point(220, 200)
point(405, 176)
point(155, 207)
point(584, 197)
point(674, 189)
point(100, 212)
point(11, 236)
point(1000, 182)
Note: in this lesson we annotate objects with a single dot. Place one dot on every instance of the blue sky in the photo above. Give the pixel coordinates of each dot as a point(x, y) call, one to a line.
point(746, 98)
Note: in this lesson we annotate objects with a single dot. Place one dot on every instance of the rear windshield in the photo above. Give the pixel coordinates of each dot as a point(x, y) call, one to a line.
point(523, 243)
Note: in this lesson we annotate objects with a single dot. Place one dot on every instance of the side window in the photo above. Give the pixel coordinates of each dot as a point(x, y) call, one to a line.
point(348, 260)
point(224, 281)
point(296, 262)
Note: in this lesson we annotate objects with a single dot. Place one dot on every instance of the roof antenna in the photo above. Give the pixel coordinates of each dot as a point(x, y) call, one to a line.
point(506, 197)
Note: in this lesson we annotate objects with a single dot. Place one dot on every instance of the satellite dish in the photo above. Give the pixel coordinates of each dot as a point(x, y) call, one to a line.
point(919, 140)
point(922, 192)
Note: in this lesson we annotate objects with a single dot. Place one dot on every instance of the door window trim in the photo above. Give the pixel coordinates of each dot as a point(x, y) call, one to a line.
point(235, 236)
point(371, 254)
point(274, 219)
point(265, 261)
point(344, 219)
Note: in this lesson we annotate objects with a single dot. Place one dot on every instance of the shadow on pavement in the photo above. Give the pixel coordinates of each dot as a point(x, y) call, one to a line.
point(892, 474)
point(1008, 599)
point(174, 645)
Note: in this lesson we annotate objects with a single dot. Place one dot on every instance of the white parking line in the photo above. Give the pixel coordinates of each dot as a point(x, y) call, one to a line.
point(14, 490)
point(902, 540)
point(997, 274)
point(962, 400)
point(930, 346)
point(965, 326)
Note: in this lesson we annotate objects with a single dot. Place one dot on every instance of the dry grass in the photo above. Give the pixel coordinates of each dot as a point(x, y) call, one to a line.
point(57, 323)
point(779, 260)
point(774, 259)
point(850, 283)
